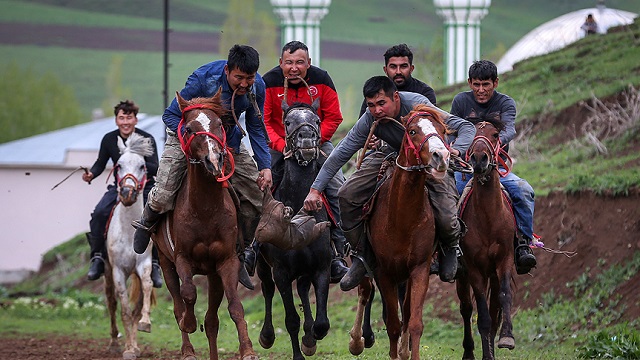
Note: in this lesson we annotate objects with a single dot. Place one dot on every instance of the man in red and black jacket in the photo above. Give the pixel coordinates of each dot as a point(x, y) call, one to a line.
point(295, 62)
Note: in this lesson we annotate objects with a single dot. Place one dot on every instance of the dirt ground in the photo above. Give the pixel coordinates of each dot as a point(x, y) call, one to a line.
point(597, 228)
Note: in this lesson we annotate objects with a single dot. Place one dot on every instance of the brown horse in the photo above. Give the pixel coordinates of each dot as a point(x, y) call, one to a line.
point(402, 233)
point(199, 236)
point(487, 247)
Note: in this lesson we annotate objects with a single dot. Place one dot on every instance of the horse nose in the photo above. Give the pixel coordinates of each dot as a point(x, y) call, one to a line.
point(441, 159)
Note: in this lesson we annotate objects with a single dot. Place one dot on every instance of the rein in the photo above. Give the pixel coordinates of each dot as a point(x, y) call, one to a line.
point(371, 131)
point(416, 150)
point(222, 142)
point(291, 149)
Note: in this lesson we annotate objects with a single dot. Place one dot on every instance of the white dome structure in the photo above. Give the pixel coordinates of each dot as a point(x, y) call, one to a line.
point(560, 32)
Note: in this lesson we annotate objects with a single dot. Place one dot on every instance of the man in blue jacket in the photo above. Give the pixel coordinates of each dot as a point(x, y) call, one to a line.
point(236, 74)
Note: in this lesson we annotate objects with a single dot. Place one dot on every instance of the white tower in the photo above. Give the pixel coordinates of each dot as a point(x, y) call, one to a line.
point(461, 35)
point(300, 20)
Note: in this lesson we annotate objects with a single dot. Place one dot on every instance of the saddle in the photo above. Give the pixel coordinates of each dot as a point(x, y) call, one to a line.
point(279, 227)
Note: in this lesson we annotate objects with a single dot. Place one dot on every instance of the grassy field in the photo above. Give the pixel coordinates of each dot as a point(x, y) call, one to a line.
point(558, 328)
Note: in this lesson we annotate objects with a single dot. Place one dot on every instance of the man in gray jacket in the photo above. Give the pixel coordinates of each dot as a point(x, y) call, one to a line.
point(383, 100)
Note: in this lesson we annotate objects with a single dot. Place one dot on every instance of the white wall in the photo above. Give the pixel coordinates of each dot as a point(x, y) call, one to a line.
point(34, 218)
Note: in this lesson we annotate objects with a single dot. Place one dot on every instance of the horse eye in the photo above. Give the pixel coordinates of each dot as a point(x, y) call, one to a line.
point(412, 132)
point(495, 136)
point(287, 122)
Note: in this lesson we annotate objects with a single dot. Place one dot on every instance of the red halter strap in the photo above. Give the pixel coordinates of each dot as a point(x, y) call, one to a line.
point(185, 144)
point(495, 153)
point(416, 150)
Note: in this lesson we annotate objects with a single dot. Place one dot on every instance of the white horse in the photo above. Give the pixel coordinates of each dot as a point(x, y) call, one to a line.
point(123, 262)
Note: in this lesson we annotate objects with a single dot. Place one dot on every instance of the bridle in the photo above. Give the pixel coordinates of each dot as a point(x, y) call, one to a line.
point(416, 150)
point(495, 152)
point(185, 144)
point(292, 149)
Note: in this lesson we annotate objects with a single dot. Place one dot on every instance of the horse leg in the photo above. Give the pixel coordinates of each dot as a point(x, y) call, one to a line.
point(321, 286)
point(466, 310)
point(268, 287)
point(188, 294)
point(211, 320)
point(144, 323)
point(416, 294)
point(484, 319)
point(506, 340)
point(291, 319)
point(120, 281)
point(173, 285)
point(389, 293)
point(357, 342)
point(367, 331)
point(308, 339)
point(112, 305)
point(228, 273)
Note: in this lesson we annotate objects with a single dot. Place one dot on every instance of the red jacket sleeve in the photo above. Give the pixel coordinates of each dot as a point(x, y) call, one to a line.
point(273, 119)
point(329, 112)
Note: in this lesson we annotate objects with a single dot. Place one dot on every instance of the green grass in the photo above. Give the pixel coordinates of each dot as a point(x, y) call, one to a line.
point(554, 330)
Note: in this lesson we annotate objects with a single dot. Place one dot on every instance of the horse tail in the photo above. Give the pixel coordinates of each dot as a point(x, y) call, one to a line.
point(136, 290)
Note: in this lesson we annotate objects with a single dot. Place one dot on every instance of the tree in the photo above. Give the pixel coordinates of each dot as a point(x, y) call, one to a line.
point(246, 26)
point(32, 104)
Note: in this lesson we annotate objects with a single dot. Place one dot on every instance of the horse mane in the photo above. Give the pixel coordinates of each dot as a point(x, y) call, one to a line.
point(495, 121)
point(214, 102)
point(437, 114)
point(139, 145)
point(297, 105)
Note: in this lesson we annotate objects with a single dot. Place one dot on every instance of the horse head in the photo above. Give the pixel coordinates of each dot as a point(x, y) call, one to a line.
point(423, 144)
point(302, 129)
point(202, 135)
point(484, 153)
point(131, 172)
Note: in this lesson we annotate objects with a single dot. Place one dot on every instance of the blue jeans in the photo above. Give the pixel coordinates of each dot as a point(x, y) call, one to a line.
point(522, 199)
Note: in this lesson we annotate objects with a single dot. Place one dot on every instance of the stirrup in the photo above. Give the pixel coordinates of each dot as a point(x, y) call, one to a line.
point(139, 225)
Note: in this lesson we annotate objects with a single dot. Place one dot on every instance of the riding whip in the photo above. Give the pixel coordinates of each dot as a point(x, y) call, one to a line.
point(86, 171)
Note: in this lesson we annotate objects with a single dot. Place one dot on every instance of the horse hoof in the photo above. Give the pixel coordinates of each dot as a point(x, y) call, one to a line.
point(308, 350)
point(129, 355)
point(144, 327)
point(189, 357)
point(370, 341)
point(265, 343)
point(250, 357)
point(356, 347)
point(114, 349)
point(506, 343)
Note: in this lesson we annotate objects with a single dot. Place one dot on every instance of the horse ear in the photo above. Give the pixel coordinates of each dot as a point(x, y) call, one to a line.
point(121, 145)
point(182, 103)
point(284, 106)
point(216, 97)
point(316, 104)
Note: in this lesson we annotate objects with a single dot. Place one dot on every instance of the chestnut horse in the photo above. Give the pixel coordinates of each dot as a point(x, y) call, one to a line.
point(310, 265)
point(123, 263)
point(487, 246)
point(402, 233)
point(199, 236)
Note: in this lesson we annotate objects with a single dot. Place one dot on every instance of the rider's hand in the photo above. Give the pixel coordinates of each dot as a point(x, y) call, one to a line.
point(313, 201)
point(264, 179)
point(88, 176)
point(374, 143)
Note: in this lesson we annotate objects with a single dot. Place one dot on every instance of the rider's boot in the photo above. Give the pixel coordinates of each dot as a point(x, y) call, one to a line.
point(524, 258)
point(339, 266)
point(251, 253)
point(448, 261)
point(96, 266)
point(362, 258)
point(144, 227)
point(243, 275)
point(156, 274)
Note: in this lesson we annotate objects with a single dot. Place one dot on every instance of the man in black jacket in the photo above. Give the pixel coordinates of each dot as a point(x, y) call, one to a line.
point(398, 66)
point(126, 113)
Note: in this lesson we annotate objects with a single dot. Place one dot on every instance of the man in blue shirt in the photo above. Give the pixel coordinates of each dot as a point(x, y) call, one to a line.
point(238, 74)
